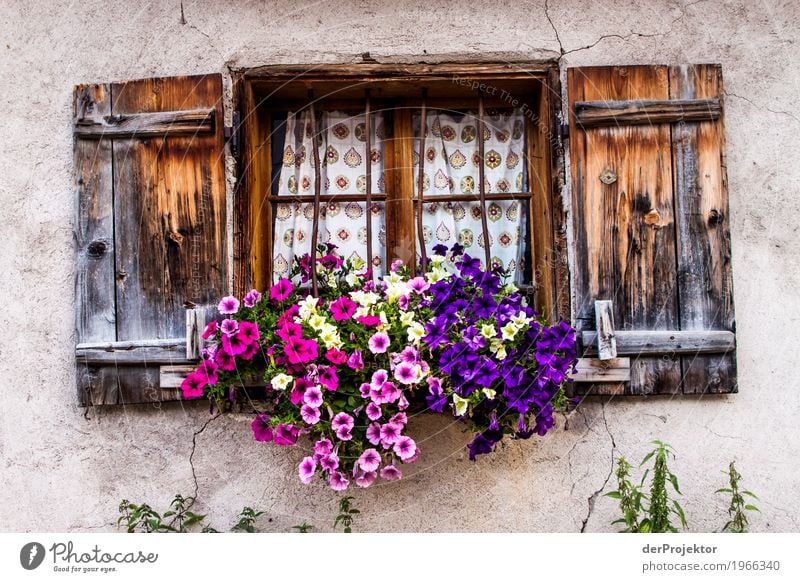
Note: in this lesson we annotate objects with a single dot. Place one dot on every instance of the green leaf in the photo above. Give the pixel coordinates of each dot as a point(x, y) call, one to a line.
point(752, 508)
point(674, 480)
point(613, 495)
point(751, 494)
point(647, 457)
point(724, 490)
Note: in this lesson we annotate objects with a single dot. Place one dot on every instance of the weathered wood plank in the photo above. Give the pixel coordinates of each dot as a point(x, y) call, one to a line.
point(195, 325)
point(623, 208)
point(705, 282)
point(145, 125)
point(110, 385)
point(594, 370)
point(170, 211)
point(648, 112)
point(173, 376)
point(410, 71)
point(634, 343)
point(604, 322)
point(94, 226)
point(399, 168)
point(166, 351)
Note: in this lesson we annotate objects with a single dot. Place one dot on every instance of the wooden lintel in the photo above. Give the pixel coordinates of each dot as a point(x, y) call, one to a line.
point(645, 112)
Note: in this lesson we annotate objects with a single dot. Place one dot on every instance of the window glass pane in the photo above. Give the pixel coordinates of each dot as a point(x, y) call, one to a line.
point(447, 223)
point(451, 153)
point(340, 223)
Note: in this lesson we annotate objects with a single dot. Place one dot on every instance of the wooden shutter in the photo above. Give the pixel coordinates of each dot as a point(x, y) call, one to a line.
point(150, 231)
point(651, 222)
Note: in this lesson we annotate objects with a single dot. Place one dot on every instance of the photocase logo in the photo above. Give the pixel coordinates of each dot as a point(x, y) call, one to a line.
point(31, 555)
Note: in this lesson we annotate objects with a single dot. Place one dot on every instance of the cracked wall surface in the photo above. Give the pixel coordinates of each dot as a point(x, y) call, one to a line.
point(63, 470)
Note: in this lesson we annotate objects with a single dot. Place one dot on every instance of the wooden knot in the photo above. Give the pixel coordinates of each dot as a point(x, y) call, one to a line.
point(653, 218)
point(175, 237)
point(96, 249)
point(715, 218)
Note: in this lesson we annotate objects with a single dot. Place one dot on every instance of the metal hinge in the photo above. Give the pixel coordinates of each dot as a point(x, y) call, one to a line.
point(563, 131)
point(233, 135)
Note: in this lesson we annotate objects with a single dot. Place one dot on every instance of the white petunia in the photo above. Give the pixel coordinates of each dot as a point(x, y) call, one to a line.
point(281, 381)
point(308, 307)
point(461, 405)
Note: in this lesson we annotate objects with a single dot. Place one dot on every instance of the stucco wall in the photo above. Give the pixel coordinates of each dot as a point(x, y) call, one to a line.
point(66, 470)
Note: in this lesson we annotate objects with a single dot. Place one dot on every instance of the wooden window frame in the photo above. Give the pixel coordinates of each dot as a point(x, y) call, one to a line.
point(266, 87)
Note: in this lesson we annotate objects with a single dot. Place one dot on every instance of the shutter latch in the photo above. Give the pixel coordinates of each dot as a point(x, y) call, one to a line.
point(233, 135)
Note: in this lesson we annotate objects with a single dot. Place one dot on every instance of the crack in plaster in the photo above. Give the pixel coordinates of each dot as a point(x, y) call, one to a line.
point(191, 455)
point(592, 500)
point(757, 106)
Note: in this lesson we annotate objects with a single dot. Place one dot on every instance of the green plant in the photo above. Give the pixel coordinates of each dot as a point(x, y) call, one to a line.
point(177, 519)
point(642, 513)
point(247, 520)
point(303, 527)
point(738, 506)
point(346, 513)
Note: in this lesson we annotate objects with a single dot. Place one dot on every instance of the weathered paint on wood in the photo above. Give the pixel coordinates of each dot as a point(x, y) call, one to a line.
point(705, 281)
point(106, 385)
point(169, 211)
point(163, 351)
point(632, 343)
point(143, 125)
point(606, 341)
point(678, 166)
point(623, 209)
point(94, 227)
point(647, 112)
point(594, 370)
point(195, 325)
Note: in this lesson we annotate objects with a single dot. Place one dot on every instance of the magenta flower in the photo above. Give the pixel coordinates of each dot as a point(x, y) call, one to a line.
point(390, 392)
point(225, 361)
point(342, 420)
point(405, 447)
point(402, 402)
point(406, 373)
point(289, 330)
point(379, 378)
point(300, 351)
point(409, 355)
point(329, 462)
point(252, 298)
point(249, 332)
point(374, 433)
point(233, 344)
point(193, 385)
point(211, 330)
point(208, 369)
point(369, 460)
point(228, 305)
point(310, 414)
point(418, 285)
point(343, 433)
point(343, 308)
point(262, 429)
point(328, 378)
point(286, 434)
point(355, 361)
point(251, 351)
point(338, 481)
point(400, 418)
point(373, 411)
point(307, 469)
point(323, 447)
point(281, 290)
point(229, 326)
point(288, 315)
point(369, 320)
point(390, 432)
point(336, 357)
point(402, 302)
point(364, 389)
point(396, 264)
point(391, 473)
point(313, 397)
point(379, 343)
point(366, 479)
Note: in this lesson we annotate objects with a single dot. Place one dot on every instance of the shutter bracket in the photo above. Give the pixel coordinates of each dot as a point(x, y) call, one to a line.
point(563, 131)
point(233, 136)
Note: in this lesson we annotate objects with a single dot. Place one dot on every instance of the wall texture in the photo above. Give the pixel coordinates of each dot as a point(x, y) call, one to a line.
point(65, 469)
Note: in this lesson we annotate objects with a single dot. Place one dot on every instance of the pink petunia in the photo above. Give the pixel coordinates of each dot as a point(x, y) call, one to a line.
point(400, 418)
point(390, 432)
point(286, 435)
point(288, 315)
point(281, 290)
point(225, 361)
point(193, 385)
point(309, 414)
point(390, 392)
point(313, 397)
point(418, 285)
point(402, 302)
point(338, 481)
point(228, 305)
point(252, 298)
point(289, 330)
point(336, 357)
point(379, 377)
point(328, 378)
point(369, 320)
point(229, 326)
point(369, 460)
point(323, 447)
point(374, 433)
point(379, 343)
point(364, 390)
point(406, 373)
point(396, 264)
point(211, 330)
point(343, 309)
point(251, 351)
point(209, 370)
point(249, 332)
point(405, 447)
point(355, 361)
point(233, 344)
point(402, 402)
point(373, 411)
point(300, 351)
point(342, 420)
point(343, 433)
point(366, 479)
point(329, 462)
point(391, 473)
point(262, 429)
point(409, 354)
point(306, 469)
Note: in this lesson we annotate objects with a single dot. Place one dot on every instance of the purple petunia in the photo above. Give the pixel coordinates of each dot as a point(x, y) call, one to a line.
point(379, 343)
point(281, 290)
point(262, 429)
point(306, 469)
point(343, 309)
point(355, 361)
point(313, 397)
point(229, 326)
point(309, 414)
point(389, 433)
point(391, 473)
point(342, 420)
point(338, 481)
point(374, 433)
point(366, 479)
point(405, 447)
point(286, 435)
point(228, 305)
point(373, 411)
point(369, 460)
point(252, 298)
point(323, 447)
point(329, 462)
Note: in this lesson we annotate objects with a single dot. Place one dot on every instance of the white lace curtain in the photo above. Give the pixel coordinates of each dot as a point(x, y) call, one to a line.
point(451, 167)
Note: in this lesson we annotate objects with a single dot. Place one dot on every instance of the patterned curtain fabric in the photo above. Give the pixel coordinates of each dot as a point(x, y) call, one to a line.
point(451, 167)
point(343, 162)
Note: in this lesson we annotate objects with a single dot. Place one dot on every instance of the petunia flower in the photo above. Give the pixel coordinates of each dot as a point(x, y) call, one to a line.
point(281, 290)
point(342, 420)
point(418, 285)
point(309, 414)
point(390, 432)
point(407, 373)
point(286, 435)
point(402, 402)
point(373, 411)
point(379, 378)
point(233, 344)
point(329, 462)
point(338, 481)
point(396, 265)
point(364, 390)
point(405, 447)
point(379, 343)
point(323, 447)
point(328, 378)
point(374, 433)
point(336, 356)
point(343, 433)
point(193, 385)
point(390, 392)
point(366, 479)
point(225, 361)
point(391, 473)
point(306, 469)
point(251, 351)
point(343, 309)
point(400, 418)
point(313, 397)
point(262, 429)
point(252, 298)
point(211, 330)
point(289, 330)
point(355, 361)
point(249, 332)
point(300, 351)
point(208, 369)
point(228, 305)
point(369, 460)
